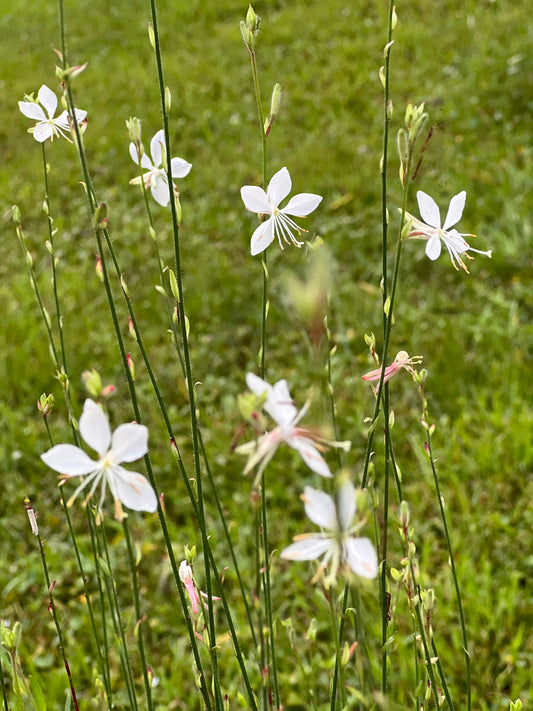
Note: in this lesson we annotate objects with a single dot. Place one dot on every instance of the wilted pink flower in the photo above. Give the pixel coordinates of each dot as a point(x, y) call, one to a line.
point(402, 360)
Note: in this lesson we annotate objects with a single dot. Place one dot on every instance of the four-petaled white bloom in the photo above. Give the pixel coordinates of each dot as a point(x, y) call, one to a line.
point(156, 177)
point(281, 408)
point(402, 360)
point(431, 229)
point(48, 126)
point(128, 443)
point(337, 542)
point(279, 224)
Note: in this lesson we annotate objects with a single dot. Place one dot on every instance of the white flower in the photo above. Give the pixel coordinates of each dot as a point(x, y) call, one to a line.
point(128, 443)
point(156, 178)
point(279, 224)
point(336, 541)
point(48, 126)
point(431, 230)
point(280, 407)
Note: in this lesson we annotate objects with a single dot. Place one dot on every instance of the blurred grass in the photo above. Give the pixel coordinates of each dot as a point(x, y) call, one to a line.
point(469, 62)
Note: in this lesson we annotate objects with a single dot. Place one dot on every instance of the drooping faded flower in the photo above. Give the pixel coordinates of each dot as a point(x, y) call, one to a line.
point(431, 229)
point(156, 177)
point(279, 224)
point(280, 407)
point(402, 360)
point(128, 443)
point(336, 542)
point(47, 126)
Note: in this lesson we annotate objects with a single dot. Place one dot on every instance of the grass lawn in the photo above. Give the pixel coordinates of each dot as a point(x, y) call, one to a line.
point(468, 61)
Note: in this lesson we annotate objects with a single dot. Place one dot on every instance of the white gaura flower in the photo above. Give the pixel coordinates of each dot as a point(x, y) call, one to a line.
point(431, 229)
point(156, 177)
point(47, 126)
point(128, 443)
point(282, 410)
point(336, 542)
point(279, 224)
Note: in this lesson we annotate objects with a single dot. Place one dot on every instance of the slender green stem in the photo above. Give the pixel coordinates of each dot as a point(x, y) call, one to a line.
point(268, 598)
point(116, 616)
point(383, 580)
point(59, 318)
point(339, 636)
point(138, 613)
point(451, 559)
point(52, 609)
point(2, 682)
point(187, 359)
point(228, 539)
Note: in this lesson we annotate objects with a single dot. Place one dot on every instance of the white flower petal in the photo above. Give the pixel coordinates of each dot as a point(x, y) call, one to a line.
point(307, 548)
point(262, 237)
point(156, 148)
point(302, 204)
point(42, 131)
point(279, 186)
point(180, 167)
point(255, 199)
point(279, 404)
point(68, 459)
point(320, 508)
point(433, 247)
point(361, 557)
point(455, 211)
point(346, 504)
point(32, 111)
point(48, 99)
point(129, 442)
point(94, 427)
point(80, 115)
point(133, 489)
point(159, 188)
point(310, 454)
point(257, 385)
point(429, 209)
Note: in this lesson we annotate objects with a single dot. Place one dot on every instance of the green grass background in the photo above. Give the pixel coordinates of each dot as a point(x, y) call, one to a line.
point(471, 63)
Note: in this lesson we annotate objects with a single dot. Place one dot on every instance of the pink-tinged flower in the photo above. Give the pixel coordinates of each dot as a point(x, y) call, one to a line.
point(128, 443)
point(280, 407)
point(402, 360)
point(156, 177)
point(186, 577)
point(185, 573)
point(431, 229)
point(47, 126)
point(336, 542)
point(279, 224)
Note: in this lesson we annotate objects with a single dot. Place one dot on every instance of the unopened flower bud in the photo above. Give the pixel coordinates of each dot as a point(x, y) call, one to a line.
point(107, 391)
point(45, 404)
point(131, 366)
point(404, 514)
point(131, 329)
point(15, 213)
point(133, 124)
point(99, 269)
point(394, 19)
point(100, 216)
point(151, 35)
point(93, 382)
